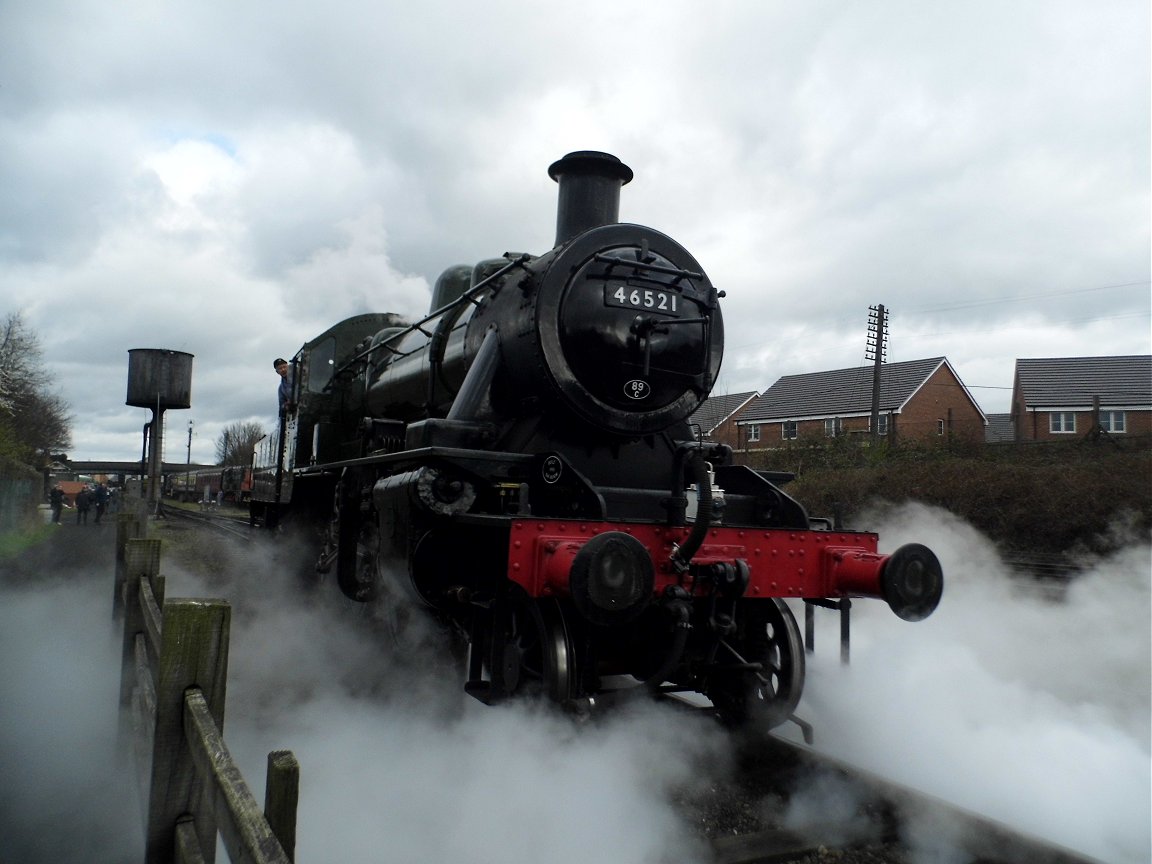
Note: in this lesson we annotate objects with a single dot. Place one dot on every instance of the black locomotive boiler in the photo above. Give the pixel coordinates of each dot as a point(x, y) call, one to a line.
point(520, 463)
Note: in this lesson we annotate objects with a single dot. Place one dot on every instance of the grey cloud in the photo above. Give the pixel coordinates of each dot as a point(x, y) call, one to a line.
point(816, 160)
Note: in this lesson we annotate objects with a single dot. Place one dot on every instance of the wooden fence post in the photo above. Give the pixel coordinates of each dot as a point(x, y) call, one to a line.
point(281, 795)
point(128, 527)
point(194, 654)
point(172, 689)
point(128, 736)
point(243, 827)
point(141, 559)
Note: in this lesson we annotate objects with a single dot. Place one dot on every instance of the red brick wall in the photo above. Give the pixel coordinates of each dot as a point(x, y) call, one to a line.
point(1036, 425)
point(729, 433)
point(941, 398)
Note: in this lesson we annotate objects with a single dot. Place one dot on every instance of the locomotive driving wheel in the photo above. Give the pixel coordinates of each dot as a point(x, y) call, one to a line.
point(760, 668)
point(530, 650)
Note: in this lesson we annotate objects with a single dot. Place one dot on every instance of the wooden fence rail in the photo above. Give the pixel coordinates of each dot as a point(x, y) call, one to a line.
point(174, 665)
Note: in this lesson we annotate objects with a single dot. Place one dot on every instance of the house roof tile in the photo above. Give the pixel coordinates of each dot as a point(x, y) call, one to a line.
point(999, 428)
point(716, 409)
point(1075, 381)
point(841, 392)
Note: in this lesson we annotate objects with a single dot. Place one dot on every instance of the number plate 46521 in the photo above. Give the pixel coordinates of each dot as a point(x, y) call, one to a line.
point(647, 299)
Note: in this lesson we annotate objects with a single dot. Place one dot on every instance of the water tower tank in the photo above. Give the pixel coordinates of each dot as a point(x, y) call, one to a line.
point(159, 378)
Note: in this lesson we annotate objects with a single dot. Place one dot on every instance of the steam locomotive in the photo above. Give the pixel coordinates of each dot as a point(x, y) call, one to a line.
point(519, 462)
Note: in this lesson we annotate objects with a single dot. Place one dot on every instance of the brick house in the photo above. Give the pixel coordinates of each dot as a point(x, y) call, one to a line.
point(1070, 397)
point(716, 417)
point(919, 400)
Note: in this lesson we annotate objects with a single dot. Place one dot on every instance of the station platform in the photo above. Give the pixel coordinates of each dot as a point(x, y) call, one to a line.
point(71, 550)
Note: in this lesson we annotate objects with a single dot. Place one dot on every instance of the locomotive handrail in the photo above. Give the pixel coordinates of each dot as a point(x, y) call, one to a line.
point(466, 297)
point(644, 325)
point(419, 454)
point(679, 272)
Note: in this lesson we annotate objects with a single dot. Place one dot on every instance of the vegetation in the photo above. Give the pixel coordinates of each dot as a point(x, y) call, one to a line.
point(234, 446)
point(16, 543)
point(34, 423)
point(1037, 499)
point(34, 420)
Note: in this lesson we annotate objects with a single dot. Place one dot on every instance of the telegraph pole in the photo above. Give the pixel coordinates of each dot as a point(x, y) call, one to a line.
point(188, 469)
point(877, 351)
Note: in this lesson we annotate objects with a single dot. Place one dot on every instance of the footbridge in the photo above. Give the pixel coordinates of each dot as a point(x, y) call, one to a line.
point(132, 469)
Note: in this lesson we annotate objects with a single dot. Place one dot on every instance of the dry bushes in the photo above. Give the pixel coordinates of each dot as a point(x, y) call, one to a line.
point(1037, 498)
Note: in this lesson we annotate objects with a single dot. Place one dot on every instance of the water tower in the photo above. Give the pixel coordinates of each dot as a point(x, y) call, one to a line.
point(158, 379)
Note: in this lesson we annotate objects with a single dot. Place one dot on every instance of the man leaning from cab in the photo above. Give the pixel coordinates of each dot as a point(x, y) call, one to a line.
point(284, 370)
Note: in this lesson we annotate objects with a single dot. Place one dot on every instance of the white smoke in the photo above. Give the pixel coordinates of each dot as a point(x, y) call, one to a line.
point(398, 764)
point(1032, 710)
point(64, 795)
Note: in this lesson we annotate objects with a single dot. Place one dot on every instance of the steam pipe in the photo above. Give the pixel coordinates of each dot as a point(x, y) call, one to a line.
point(478, 379)
point(682, 555)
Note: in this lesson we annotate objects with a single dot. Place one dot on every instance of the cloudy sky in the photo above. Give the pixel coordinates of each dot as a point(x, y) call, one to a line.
point(231, 179)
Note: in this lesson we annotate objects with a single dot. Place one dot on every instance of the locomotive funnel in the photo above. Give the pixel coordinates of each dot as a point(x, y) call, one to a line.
point(590, 184)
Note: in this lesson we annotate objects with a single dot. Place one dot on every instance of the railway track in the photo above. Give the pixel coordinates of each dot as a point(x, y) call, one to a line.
point(232, 525)
point(890, 824)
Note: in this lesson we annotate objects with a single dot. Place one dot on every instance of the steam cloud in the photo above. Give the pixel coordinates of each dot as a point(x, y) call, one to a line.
point(1030, 710)
point(1027, 709)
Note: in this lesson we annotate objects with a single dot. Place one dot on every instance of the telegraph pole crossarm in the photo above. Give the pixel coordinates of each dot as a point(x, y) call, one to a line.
point(877, 351)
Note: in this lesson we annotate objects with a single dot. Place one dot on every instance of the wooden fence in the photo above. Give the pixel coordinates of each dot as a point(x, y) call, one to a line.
point(173, 675)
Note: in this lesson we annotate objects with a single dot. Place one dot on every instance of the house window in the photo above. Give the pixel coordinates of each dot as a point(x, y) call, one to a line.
point(940, 426)
point(1062, 422)
point(832, 427)
point(1112, 421)
point(788, 429)
point(753, 433)
point(881, 424)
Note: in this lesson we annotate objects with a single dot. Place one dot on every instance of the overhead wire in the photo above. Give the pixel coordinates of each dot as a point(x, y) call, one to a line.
point(989, 302)
point(846, 320)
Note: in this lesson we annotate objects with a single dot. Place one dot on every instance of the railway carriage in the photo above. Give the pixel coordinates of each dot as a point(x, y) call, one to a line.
point(206, 484)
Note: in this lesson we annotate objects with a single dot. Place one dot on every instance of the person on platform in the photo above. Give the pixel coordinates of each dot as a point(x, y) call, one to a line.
point(83, 503)
point(284, 370)
point(56, 502)
point(100, 497)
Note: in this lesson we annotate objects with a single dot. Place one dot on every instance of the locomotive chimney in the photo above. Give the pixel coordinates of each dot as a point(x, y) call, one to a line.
point(590, 184)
